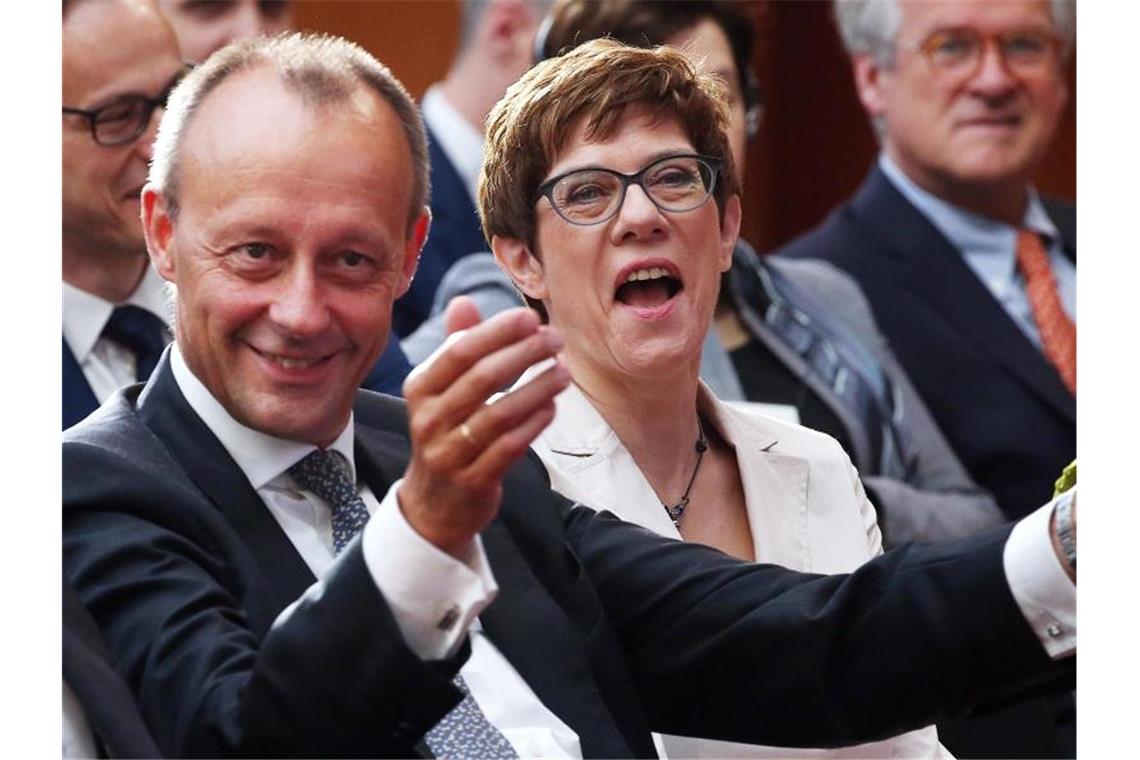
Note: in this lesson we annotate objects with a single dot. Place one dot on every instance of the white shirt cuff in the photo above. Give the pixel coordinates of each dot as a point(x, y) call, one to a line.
point(433, 596)
point(1042, 590)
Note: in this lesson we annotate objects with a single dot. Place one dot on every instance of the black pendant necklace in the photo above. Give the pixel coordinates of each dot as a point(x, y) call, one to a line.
point(677, 510)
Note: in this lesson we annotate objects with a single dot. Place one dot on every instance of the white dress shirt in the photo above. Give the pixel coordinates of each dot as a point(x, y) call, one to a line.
point(989, 248)
point(106, 365)
point(459, 141)
point(421, 584)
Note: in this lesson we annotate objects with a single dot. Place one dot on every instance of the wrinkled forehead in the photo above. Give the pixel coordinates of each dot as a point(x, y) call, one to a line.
point(253, 135)
point(922, 18)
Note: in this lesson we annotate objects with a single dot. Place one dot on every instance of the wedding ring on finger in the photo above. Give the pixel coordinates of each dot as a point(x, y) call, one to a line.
point(465, 431)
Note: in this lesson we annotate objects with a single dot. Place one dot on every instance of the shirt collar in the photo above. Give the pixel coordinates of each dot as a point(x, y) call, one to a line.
point(987, 244)
point(462, 143)
point(960, 226)
point(85, 314)
point(261, 457)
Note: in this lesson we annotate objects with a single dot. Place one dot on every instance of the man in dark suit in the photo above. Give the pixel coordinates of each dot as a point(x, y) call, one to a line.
point(970, 273)
point(119, 61)
point(209, 517)
point(932, 235)
point(496, 39)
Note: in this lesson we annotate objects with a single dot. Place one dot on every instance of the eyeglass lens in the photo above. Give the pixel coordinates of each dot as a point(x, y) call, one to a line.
point(958, 50)
point(677, 183)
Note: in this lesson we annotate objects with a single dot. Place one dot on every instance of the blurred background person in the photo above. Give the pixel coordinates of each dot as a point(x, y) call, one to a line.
point(203, 26)
point(495, 47)
point(970, 272)
point(120, 61)
point(637, 217)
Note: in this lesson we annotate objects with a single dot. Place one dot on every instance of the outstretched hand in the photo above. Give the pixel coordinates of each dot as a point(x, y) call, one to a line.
point(462, 446)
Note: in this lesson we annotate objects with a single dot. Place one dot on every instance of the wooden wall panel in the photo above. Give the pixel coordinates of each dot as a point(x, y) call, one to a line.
point(815, 144)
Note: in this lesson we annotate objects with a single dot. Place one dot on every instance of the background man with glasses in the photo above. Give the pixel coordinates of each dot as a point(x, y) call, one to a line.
point(970, 273)
point(119, 62)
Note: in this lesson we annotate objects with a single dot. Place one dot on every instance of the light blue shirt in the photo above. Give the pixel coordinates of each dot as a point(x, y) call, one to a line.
point(989, 247)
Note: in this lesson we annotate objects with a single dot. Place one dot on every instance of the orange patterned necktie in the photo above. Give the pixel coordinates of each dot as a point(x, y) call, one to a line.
point(1058, 333)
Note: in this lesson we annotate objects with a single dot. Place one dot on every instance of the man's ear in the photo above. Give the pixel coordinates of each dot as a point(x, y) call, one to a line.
point(868, 83)
point(412, 249)
point(521, 265)
point(729, 230)
point(158, 229)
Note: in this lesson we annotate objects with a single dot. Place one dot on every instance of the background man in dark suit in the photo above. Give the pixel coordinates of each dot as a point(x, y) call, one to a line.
point(119, 61)
point(204, 513)
point(971, 275)
point(496, 46)
point(966, 97)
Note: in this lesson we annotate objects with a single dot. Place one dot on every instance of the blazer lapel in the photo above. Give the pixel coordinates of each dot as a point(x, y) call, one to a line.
point(775, 484)
point(164, 409)
point(935, 272)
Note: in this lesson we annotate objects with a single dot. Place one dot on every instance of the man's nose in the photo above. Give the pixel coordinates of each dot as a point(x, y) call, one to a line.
point(300, 308)
point(994, 77)
point(145, 145)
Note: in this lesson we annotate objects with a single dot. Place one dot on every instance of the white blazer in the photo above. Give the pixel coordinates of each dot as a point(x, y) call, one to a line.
point(806, 508)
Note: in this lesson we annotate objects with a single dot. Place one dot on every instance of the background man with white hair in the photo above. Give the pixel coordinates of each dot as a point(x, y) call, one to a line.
point(970, 273)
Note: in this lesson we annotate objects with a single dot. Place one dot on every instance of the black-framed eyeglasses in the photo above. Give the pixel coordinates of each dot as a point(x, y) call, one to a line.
point(591, 196)
point(124, 119)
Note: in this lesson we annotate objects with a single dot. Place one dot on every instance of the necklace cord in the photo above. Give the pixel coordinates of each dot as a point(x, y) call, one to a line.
point(701, 446)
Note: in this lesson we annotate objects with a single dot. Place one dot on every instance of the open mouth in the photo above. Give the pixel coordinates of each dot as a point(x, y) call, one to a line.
point(648, 287)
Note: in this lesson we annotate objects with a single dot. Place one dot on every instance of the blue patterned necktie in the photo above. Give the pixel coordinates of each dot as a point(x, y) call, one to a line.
point(140, 331)
point(463, 732)
point(326, 473)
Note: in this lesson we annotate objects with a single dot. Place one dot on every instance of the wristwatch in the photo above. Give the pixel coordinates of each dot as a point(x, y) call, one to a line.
point(1063, 521)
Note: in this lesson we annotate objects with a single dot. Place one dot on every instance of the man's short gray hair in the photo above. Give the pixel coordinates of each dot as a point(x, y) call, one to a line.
point(870, 26)
point(320, 69)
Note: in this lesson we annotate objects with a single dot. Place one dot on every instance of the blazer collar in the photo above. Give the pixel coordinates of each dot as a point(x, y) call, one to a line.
point(934, 270)
point(602, 473)
point(164, 410)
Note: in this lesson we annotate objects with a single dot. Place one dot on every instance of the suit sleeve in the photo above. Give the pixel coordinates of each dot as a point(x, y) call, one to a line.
point(179, 604)
point(744, 652)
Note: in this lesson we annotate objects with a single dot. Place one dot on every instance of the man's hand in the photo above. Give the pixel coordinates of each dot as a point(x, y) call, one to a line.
point(461, 446)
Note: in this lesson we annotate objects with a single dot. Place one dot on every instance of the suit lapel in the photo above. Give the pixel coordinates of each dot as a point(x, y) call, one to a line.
point(78, 398)
point(164, 409)
point(936, 273)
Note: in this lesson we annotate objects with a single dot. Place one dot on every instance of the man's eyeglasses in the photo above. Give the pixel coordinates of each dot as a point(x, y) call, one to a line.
point(124, 119)
point(959, 52)
point(591, 196)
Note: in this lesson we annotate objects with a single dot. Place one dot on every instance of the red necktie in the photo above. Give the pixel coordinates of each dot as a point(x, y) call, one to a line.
point(1058, 333)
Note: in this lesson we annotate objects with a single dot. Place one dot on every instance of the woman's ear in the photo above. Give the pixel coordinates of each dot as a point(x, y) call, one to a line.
point(521, 265)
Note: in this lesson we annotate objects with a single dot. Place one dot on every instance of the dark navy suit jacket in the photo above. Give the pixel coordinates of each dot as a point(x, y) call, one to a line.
point(455, 232)
point(996, 398)
point(616, 629)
